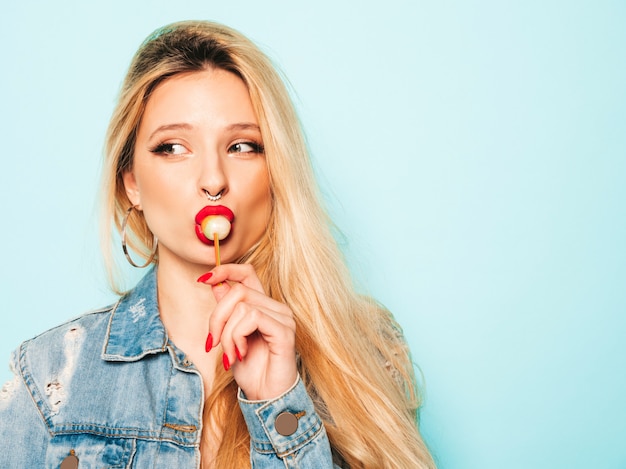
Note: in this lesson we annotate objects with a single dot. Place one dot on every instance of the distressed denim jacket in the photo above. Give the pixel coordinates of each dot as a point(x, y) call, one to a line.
point(111, 390)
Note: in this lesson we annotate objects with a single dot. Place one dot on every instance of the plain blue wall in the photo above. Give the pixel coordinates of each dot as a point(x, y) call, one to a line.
point(473, 154)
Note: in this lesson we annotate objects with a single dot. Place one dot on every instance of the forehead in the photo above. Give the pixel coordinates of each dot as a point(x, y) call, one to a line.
point(211, 96)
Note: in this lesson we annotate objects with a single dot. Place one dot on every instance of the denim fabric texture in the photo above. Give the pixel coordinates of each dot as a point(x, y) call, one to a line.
point(112, 389)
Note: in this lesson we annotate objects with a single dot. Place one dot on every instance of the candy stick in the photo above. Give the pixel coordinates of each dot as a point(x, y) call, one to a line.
point(216, 241)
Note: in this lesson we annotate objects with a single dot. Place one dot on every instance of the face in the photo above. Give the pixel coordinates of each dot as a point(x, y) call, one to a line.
point(199, 134)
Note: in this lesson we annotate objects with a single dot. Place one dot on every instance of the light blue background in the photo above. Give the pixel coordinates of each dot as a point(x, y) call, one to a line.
point(473, 154)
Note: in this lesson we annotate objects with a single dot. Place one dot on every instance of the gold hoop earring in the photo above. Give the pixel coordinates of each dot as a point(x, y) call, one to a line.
point(125, 249)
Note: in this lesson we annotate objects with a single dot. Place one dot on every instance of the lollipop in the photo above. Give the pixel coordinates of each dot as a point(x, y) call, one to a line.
point(213, 224)
point(216, 227)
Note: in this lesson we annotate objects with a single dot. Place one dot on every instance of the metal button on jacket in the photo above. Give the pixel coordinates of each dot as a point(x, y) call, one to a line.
point(70, 462)
point(287, 423)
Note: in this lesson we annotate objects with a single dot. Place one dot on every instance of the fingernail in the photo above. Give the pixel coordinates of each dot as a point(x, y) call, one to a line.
point(225, 362)
point(238, 354)
point(209, 343)
point(204, 277)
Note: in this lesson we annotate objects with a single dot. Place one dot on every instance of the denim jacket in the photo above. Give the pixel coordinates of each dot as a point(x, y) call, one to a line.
point(110, 389)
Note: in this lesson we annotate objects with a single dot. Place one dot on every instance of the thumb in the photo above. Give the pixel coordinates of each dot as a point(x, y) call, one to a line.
point(219, 290)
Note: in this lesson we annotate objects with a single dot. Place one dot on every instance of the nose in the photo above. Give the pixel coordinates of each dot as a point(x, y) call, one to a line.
point(213, 182)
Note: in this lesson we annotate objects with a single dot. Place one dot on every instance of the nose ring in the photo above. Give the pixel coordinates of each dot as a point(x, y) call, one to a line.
point(213, 198)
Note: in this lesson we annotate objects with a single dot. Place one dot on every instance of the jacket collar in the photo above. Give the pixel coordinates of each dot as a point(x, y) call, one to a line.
point(135, 328)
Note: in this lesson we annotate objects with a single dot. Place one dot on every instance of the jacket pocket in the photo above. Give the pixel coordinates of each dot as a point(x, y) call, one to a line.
point(92, 452)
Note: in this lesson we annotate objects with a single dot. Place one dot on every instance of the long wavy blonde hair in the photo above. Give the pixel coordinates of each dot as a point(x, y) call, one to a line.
point(354, 360)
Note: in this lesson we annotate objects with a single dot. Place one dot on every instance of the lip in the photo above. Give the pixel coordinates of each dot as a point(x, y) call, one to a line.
point(211, 210)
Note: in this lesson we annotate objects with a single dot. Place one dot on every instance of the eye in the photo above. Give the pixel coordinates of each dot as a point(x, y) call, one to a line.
point(246, 147)
point(169, 149)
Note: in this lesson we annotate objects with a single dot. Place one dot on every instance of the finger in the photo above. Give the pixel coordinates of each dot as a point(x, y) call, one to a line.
point(243, 312)
point(240, 273)
point(235, 346)
point(235, 295)
point(220, 290)
point(220, 287)
point(272, 328)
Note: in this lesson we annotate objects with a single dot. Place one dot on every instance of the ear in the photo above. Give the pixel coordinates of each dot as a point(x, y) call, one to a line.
point(132, 191)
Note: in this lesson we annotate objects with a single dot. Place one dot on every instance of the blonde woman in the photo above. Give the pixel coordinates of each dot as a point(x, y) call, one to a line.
point(267, 359)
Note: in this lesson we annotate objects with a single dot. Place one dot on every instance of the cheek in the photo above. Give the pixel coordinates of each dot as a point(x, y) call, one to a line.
point(259, 201)
point(158, 186)
point(160, 199)
point(262, 194)
point(150, 196)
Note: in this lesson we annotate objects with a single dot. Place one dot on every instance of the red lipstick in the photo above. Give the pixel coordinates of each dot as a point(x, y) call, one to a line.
point(208, 211)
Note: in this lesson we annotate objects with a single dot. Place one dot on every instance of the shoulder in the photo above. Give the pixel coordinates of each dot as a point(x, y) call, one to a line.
point(42, 364)
point(53, 352)
point(87, 326)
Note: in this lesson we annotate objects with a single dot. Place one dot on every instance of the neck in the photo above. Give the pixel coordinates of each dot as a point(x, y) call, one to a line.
point(185, 305)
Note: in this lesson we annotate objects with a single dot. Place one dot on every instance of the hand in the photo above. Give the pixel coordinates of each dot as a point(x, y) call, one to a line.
point(257, 333)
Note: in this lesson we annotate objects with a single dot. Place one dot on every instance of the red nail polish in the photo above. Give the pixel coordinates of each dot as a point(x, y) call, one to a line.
point(238, 354)
point(204, 277)
point(209, 343)
point(225, 362)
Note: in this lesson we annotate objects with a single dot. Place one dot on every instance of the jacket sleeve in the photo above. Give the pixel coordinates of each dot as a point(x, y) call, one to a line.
point(23, 433)
point(286, 431)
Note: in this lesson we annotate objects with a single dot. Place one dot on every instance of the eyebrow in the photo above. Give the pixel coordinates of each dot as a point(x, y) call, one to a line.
point(244, 126)
point(165, 127)
point(185, 126)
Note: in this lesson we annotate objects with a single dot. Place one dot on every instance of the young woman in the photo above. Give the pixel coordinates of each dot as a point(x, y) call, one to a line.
point(269, 358)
